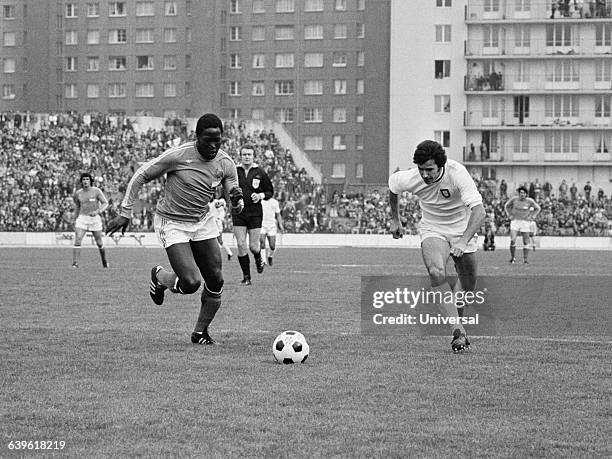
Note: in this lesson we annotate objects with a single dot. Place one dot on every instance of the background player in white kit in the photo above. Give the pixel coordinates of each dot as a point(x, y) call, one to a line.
point(271, 217)
point(89, 203)
point(452, 212)
point(218, 208)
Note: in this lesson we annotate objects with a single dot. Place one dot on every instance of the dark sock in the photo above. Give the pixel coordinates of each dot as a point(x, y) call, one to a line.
point(257, 256)
point(525, 252)
point(512, 251)
point(211, 301)
point(103, 255)
point(245, 265)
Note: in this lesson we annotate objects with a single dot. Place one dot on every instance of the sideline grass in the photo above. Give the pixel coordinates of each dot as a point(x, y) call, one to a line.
point(87, 358)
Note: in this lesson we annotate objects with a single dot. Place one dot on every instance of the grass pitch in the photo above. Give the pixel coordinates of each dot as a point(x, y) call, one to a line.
point(88, 359)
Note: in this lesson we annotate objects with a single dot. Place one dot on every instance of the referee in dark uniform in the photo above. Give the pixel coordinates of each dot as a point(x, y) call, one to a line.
point(256, 186)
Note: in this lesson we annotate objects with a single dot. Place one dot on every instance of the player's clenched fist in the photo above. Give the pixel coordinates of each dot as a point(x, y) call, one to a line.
point(236, 199)
point(118, 223)
point(396, 230)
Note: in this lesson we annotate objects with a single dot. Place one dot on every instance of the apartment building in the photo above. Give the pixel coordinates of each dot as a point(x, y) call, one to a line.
point(318, 67)
point(515, 89)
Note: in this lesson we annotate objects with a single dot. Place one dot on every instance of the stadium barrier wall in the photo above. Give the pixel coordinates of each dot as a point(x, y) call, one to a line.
point(142, 239)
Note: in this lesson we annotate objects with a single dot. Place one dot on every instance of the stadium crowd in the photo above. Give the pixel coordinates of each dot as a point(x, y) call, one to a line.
point(41, 158)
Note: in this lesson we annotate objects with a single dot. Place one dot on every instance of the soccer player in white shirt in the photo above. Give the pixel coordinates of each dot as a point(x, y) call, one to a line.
point(217, 209)
point(452, 212)
point(271, 217)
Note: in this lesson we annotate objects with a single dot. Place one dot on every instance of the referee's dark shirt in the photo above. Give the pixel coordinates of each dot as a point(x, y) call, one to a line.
point(256, 181)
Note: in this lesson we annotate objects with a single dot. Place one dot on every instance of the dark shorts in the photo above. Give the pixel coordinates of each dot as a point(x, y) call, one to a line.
point(250, 221)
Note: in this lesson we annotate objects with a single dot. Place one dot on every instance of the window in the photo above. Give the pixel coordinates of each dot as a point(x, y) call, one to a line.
point(602, 142)
point(170, 35)
point(93, 37)
point(8, 12)
point(8, 91)
point(234, 88)
point(187, 61)
point(116, 90)
point(603, 35)
point(258, 6)
point(169, 62)
point(560, 142)
point(521, 142)
point(284, 6)
point(339, 59)
point(8, 64)
point(491, 6)
point(359, 87)
point(284, 60)
point(360, 30)
point(117, 62)
point(522, 6)
point(116, 36)
point(491, 36)
point(145, 36)
point(71, 10)
point(72, 37)
point(442, 103)
point(522, 36)
point(339, 115)
point(258, 114)
point(93, 91)
point(558, 35)
point(338, 170)
point(340, 87)
point(145, 90)
point(359, 170)
point(359, 114)
point(358, 142)
point(562, 71)
point(340, 5)
point(169, 89)
point(188, 34)
point(602, 106)
point(340, 31)
point(313, 115)
point(283, 87)
point(313, 32)
point(443, 138)
point(360, 59)
point(339, 142)
point(442, 69)
point(71, 64)
point(444, 3)
point(443, 33)
point(93, 10)
point(360, 5)
point(187, 89)
point(235, 6)
point(116, 9)
point(170, 8)
point(283, 32)
point(258, 33)
point(235, 33)
point(313, 142)
point(145, 9)
point(234, 61)
point(71, 91)
point(8, 38)
point(93, 64)
point(259, 61)
point(603, 70)
point(144, 63)
point(283, 115)
point(313, 60)
point(313, 5)
point(259, 88)
point(313, 87)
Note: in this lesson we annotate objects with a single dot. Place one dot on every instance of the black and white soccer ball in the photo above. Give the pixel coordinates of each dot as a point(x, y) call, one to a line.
point(290, 347)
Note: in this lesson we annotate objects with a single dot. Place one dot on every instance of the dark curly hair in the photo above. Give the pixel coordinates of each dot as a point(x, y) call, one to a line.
point(429, 149)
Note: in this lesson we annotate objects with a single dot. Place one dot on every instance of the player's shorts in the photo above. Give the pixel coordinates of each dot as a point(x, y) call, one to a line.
point(426, 232)
point(521, 226)
point(88, 223)
point(170, 232)
point(533, 227)
point(250, 221)
point(268, 230)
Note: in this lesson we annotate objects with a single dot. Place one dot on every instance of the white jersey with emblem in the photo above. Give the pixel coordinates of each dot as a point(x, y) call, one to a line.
point(270, 209)
point(444, 204)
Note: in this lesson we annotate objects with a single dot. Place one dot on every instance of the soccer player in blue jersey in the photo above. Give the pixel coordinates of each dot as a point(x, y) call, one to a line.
point(522, 211)
point(452, 212)
point(183, 222)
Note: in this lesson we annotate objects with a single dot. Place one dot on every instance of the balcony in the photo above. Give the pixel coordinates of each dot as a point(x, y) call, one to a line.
point(537, 48)
point(585, 82)
point(536, 155)
point(536, 10)
point(503, 119)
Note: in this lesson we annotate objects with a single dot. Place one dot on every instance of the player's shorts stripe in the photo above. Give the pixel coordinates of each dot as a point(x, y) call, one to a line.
point(162, 231)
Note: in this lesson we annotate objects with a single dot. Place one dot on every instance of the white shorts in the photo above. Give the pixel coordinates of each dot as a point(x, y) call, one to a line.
point(88, 223)
point(427, 232)
point(219, 223)
point(521, 226)
point(170, 232)
point(268, 230)
point(533, 227)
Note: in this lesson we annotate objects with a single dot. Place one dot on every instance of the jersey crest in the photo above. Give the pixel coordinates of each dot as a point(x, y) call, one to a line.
point(445, 192)
point(255, 183)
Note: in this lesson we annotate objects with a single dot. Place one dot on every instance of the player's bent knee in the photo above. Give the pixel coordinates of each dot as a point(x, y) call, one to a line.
point(213, 287)
point(189, 285)
point(437, 274)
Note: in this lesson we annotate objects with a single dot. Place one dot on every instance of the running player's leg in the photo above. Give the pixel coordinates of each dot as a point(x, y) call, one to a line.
point(262, 243)
point(254, 230)
point(207, 255)
point(79, 233)
point(466, 267)
point(184, 277)
point(272, 245)
point(526, 246)
point(513, 236)
point(100, 243)
point(243, 253)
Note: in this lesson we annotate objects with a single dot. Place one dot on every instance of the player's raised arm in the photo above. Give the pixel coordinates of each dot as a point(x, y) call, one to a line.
point(508, 207)
point(536, 209)
point(232, 190)
point(103, 203)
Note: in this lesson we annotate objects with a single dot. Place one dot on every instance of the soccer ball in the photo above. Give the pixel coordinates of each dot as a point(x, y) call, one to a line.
point(290, 347)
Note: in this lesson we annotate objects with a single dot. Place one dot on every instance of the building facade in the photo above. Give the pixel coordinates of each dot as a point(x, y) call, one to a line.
point(515, 89)
point(319, 67)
